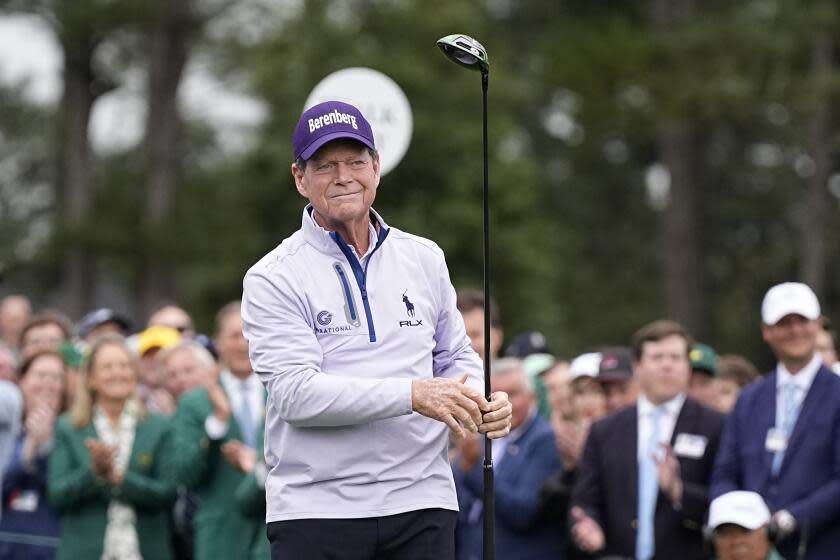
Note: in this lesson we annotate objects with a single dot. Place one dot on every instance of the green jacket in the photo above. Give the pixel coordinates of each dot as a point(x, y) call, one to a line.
point(81, 500)
point(222, 528)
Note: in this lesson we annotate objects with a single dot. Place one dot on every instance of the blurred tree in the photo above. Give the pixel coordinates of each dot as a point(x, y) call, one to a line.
point(169, 32)
point(666, 157)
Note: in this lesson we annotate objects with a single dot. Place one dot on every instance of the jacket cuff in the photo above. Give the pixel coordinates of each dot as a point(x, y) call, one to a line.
point(215, 428)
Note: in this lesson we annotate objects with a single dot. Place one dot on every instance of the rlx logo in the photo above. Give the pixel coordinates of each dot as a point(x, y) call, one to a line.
point(416, 323)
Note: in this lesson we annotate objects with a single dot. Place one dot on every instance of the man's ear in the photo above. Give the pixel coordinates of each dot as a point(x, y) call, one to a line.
point(765, 332)
point(297, 173)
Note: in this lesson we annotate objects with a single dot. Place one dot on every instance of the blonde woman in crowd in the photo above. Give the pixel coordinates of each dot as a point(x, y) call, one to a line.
point(110, 468)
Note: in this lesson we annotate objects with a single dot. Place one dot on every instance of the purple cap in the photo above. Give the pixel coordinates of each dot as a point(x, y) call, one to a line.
point(326, 122)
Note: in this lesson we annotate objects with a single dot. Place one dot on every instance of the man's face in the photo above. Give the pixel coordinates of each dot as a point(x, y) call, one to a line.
point(183, 372)
point(825, 346)
point(588, 400)
point(559, 387)
point(151, 374)
point(340, 181)
point(474, 323)
point(702, 388)
point(727, 394)
point(521, 398)
point(175, 318)
point(620, 394)
point(48, 336)
point(14, 314)
point(793, 338)
point(232, 346)
point(734, 542)
point(663, 369)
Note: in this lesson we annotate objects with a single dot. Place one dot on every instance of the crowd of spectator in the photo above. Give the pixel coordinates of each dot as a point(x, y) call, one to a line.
point(662, 449)
point(124, 443)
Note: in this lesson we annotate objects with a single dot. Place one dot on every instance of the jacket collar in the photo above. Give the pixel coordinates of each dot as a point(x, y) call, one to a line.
point(322, 239)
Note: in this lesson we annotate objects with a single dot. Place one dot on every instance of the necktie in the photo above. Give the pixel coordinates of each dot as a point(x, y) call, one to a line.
point(245, 417)
point(648, 491)
point(790, 408)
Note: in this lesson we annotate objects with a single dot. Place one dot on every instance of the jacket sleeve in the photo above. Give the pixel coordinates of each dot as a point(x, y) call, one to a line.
point(286, 355)
point(17, 474)
point(158, 490)
point(250, 497)
point(587, 489)
point(726, 474)
point(193, 451)
point(69, 481)
point(10, 407)
point(820, 510)
point(11, 404)
point(695, 499)
point(517, 497)
point(453, 354)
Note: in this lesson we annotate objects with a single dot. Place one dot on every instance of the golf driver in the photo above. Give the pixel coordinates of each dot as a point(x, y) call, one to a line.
point(466, 51)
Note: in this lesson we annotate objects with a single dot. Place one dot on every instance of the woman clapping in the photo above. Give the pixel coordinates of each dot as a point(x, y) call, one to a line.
point(110, 468)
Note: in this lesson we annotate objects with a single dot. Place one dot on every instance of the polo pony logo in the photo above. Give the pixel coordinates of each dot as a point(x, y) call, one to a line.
point(409, 307)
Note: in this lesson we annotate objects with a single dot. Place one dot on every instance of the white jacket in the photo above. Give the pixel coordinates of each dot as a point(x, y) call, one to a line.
point(337, 341)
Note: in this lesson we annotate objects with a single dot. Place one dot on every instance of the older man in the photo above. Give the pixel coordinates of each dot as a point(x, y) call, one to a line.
point(216, 425)
point(782, 439)
point(740, 525)
point(186, 366)
point(174, 317)
point(524, 461)
point(15, 312)
point(354, 330)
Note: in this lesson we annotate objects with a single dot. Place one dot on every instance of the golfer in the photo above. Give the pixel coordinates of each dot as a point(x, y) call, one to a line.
point(353, 329)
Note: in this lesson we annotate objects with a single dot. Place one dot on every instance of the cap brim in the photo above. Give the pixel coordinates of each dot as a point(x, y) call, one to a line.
point(773, 318)
point(614, 377)
point(740, 521)
point(310, 150)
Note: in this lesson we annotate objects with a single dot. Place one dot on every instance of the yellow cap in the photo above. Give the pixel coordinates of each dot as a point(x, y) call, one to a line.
point(157, 337)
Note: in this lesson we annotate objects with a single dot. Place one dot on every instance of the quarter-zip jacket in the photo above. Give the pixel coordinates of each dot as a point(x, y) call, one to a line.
point(337, 342)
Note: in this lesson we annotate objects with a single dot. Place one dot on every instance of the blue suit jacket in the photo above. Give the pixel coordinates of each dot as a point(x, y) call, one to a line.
point(808, 482)
point(521, 532)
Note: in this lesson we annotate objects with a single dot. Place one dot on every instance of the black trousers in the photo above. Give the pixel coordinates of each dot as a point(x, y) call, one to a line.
point(426, 534)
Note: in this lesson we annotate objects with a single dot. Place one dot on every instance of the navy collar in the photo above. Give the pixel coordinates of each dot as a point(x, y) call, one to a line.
point(322, 239)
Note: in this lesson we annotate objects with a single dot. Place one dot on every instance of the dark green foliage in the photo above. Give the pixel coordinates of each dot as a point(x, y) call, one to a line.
point(578, 251)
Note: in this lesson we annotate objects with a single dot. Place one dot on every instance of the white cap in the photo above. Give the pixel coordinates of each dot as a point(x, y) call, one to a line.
point(585, 365)
point(790, 298)
point(745, 509)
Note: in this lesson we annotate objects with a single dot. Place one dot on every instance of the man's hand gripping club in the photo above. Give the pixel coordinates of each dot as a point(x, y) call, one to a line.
point(462, 409)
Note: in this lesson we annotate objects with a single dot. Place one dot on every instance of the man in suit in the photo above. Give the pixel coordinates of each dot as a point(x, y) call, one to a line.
point(642, 485)
point(523, 461)
point(212, 422)
point(782, 439)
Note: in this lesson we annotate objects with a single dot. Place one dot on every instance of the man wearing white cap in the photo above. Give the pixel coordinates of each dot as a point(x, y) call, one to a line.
point(782, 439)
point(740, 523)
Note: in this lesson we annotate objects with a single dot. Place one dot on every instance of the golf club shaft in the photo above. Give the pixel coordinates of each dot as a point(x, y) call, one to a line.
point(489, 505)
